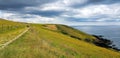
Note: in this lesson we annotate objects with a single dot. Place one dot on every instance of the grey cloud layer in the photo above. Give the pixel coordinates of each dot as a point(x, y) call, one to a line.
point(80, 10)
point(96, 2)
point(17, 4)
point(103, 1)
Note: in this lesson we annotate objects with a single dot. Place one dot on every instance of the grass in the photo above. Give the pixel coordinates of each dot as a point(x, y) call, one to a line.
point(8, 26)
point(42, 42)
point(9, 30)
point(74, 33)
point(10, 35)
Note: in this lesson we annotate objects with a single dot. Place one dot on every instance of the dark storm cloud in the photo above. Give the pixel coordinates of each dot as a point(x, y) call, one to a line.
point(103, 1)
point(95, 2)
point(18, 4)
point(46, 13)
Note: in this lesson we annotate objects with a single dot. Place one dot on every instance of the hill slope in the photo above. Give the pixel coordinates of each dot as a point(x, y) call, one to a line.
point(55, 41)
point(9, 29)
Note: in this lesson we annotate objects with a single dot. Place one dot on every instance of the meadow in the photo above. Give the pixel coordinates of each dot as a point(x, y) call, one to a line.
point(53, 41)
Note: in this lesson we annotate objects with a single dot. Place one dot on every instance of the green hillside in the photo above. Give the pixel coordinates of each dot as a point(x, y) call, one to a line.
point(9, 30)
point(49, 41)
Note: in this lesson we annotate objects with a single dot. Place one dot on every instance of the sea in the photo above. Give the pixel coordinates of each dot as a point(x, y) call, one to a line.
point(111, 32)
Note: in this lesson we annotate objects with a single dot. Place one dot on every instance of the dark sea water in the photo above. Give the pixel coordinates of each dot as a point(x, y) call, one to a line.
point(109, 32)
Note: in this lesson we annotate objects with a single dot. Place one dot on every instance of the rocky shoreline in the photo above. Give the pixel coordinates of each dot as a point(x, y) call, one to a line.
point(103, 42)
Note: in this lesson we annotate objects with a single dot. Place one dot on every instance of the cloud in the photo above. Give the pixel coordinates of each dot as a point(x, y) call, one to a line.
point(96, 2)
point(103, 1)
point(95, 13)
point(61, 11)
point(62, 5)
point(30, 18)
point(45, 13)
point(20, 4)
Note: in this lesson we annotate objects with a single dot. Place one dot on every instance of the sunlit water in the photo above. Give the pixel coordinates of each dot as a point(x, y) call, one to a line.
point(110, 32)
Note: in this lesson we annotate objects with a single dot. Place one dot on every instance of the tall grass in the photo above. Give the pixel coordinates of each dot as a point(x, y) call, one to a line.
point(7, 26)
point(5, 37)
point(43, 43)
point(9, 30)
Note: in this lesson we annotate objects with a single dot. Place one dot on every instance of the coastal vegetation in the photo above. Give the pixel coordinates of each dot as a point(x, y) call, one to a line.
point(52, 41)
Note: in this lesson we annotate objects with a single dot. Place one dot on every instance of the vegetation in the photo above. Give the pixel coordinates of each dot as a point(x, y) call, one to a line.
point(9, 30)
point(55, 41)
point(8, 26)
point(74, 33)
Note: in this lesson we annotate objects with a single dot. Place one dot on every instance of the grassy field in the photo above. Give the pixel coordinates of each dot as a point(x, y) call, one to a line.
point(54, 41)
point(9, 30)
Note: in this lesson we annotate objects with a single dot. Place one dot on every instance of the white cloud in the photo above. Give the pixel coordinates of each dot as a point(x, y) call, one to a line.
point(72, 2)
point(55, 20)
point(26, 18)
point(111, 12)
point(0, 13)
point(6, 15)
point(59, 6)
point(98, 10)
point(62, 5)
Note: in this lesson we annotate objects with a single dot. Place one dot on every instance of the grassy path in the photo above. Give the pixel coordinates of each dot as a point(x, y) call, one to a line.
point(7, 43)
point(43, 43)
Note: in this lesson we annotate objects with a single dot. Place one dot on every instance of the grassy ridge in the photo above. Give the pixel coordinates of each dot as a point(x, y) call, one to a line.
point(42, 43)
point(66, 30)
point(75, 33)
point(9, 30)
point(7, 26)
point(55, 41)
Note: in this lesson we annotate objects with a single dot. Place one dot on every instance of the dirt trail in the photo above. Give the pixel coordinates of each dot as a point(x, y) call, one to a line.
point(7, 43)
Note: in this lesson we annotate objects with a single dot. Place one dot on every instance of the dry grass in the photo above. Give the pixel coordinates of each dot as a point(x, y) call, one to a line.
point(39, 42)
point(51, 27)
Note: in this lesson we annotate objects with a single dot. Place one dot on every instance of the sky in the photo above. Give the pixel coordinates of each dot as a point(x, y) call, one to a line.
point(69, 12)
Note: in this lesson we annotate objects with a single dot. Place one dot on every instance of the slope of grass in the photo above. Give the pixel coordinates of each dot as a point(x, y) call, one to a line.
point(5, 37)
point(7, 26)
point(43, 43)
point(9, 30)
point(69, 31)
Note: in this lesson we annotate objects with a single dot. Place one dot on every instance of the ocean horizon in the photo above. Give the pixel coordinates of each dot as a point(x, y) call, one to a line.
point(109, 32)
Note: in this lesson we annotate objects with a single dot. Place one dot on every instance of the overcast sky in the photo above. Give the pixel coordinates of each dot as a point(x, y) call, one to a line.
point(74, 12)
